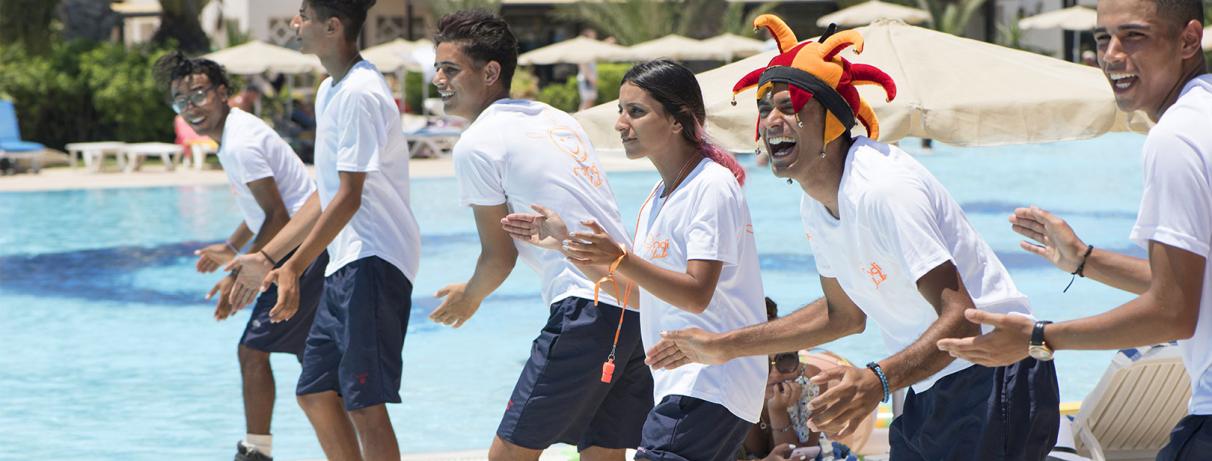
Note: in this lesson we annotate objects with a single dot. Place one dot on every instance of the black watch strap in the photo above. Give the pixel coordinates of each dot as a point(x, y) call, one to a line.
point(1037, 333)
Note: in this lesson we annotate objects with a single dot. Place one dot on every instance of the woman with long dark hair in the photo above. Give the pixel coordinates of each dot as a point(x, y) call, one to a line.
point(694, 261)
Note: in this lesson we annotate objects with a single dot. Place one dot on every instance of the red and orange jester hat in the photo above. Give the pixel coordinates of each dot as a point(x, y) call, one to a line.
point(814, 69)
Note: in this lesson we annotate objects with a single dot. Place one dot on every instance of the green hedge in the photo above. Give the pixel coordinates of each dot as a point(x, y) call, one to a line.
point(564, 96)
point(86, 92)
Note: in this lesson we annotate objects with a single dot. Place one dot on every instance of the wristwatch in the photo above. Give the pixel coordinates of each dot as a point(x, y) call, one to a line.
point(1038, 349)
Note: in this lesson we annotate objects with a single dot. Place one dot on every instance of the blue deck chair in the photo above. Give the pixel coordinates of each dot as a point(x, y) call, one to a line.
point(11, 145)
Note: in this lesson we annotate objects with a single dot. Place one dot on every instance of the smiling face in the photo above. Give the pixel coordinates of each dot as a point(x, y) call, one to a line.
point(643, 124)
point(1139, 52)
point(202, 104)
point(794, 149)
point(463, 85)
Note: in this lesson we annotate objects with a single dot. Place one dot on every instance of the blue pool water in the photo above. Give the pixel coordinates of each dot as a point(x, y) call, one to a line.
point(109, 352)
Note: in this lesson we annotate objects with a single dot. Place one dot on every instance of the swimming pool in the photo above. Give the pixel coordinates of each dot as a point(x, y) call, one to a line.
point(110, 352)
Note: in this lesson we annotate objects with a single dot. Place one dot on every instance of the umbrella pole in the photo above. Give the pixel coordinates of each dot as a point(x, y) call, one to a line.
point(401, 75)
point(290, 99)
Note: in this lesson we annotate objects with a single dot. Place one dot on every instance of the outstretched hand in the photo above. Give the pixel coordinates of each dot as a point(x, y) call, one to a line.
point(594, 247)
point(211, 257)
point(1006, 344)
point(250, 270)
point(682, 347)
point(841, 409)
point(456, 308)
point(1051, 237)
point(546, 229)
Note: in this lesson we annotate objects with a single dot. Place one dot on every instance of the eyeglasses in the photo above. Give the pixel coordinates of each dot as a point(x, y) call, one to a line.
point(198, 97)
point(786, 362)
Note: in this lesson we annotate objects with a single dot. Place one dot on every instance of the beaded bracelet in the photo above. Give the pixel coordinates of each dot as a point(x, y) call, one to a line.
point(879, 373)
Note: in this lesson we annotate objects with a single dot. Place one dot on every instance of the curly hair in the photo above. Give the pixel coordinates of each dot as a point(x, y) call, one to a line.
point(176, 65)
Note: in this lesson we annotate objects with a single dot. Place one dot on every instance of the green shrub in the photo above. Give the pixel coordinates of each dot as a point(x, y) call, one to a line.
point(413, 89)
point(84, 91)
point(562, 96)
point(610, 76)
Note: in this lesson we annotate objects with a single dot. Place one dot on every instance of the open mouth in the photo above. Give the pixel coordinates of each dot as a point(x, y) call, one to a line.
point(1121, 81)
point(196, 120)
point(446, 95)
point(780, 146)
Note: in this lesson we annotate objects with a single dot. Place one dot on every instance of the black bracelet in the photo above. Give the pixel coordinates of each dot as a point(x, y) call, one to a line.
point(266, 255)
point(1080, 267)
point(879, 373)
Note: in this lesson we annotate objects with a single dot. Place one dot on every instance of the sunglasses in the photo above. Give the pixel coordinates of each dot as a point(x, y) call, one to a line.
point(198, 97)
point(786, 362)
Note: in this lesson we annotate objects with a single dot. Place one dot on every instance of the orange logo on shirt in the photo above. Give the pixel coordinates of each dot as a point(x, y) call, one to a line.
point(569, 141)
point(749, 228)
point(590, 173)
point(657, 249)
point(877, 275)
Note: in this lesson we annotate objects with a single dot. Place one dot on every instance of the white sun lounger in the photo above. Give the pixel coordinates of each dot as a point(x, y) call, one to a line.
point(1130, 413)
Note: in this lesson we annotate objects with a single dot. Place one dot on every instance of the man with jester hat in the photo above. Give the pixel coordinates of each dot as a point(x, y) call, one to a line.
point(891, 245)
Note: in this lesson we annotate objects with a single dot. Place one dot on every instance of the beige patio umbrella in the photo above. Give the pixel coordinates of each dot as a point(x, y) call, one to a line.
point(577, 50)
point(952, 89)
point(738, 46)
point(256, 57)
point(1078, 18)
point(677, 48)
point(868, 12)
point(392, 56)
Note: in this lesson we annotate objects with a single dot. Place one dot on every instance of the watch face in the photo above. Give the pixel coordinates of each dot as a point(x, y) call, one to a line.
point(1042, 353)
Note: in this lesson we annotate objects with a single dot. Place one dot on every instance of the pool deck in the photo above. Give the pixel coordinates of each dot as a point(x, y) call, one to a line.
point(154, 175)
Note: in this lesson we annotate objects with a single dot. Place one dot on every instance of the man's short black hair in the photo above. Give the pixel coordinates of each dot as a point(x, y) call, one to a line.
point(1181, 12)
point(351, 13)
point(176, 65)
point(483, 36)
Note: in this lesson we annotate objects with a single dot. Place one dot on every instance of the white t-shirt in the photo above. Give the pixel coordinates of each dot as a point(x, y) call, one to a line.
point(250, 150)
point(358, 130)
point(1176, 210)
point(706, 218)
point(523, 153)
point(897, 223)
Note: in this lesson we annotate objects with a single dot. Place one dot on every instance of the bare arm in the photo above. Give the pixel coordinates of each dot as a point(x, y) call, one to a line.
point(498, 255)
point(265, 192)
point(240, 236)
point(345, 203)
point(1166, 311)
point(690, 291)
point(296, 229)
point(1055, 241)
point(821, 321)
point(944, 289)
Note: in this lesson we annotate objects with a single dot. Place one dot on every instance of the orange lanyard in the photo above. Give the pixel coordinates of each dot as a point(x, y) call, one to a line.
point(608, 365)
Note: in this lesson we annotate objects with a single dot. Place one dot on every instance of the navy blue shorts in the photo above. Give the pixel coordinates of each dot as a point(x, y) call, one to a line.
point(289, 336)
point(682, 428)
point(560, 396)
point(355, 343)
point(982, 414)
point(1191, 440)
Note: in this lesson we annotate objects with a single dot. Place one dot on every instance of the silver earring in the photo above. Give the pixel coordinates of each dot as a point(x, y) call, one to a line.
point(799, 122)
point(788, 181)
point(822, 153)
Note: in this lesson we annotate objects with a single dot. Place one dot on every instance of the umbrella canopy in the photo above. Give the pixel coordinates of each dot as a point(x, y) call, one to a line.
point(1071, 18)
point(738, 46)
point(256, 57)
point(394, 55)
point(868, 12)
point(577, 50)
point(678, 48)
point(955, 90)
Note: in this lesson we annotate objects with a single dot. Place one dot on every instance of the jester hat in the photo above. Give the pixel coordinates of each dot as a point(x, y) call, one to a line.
point(814, 69)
